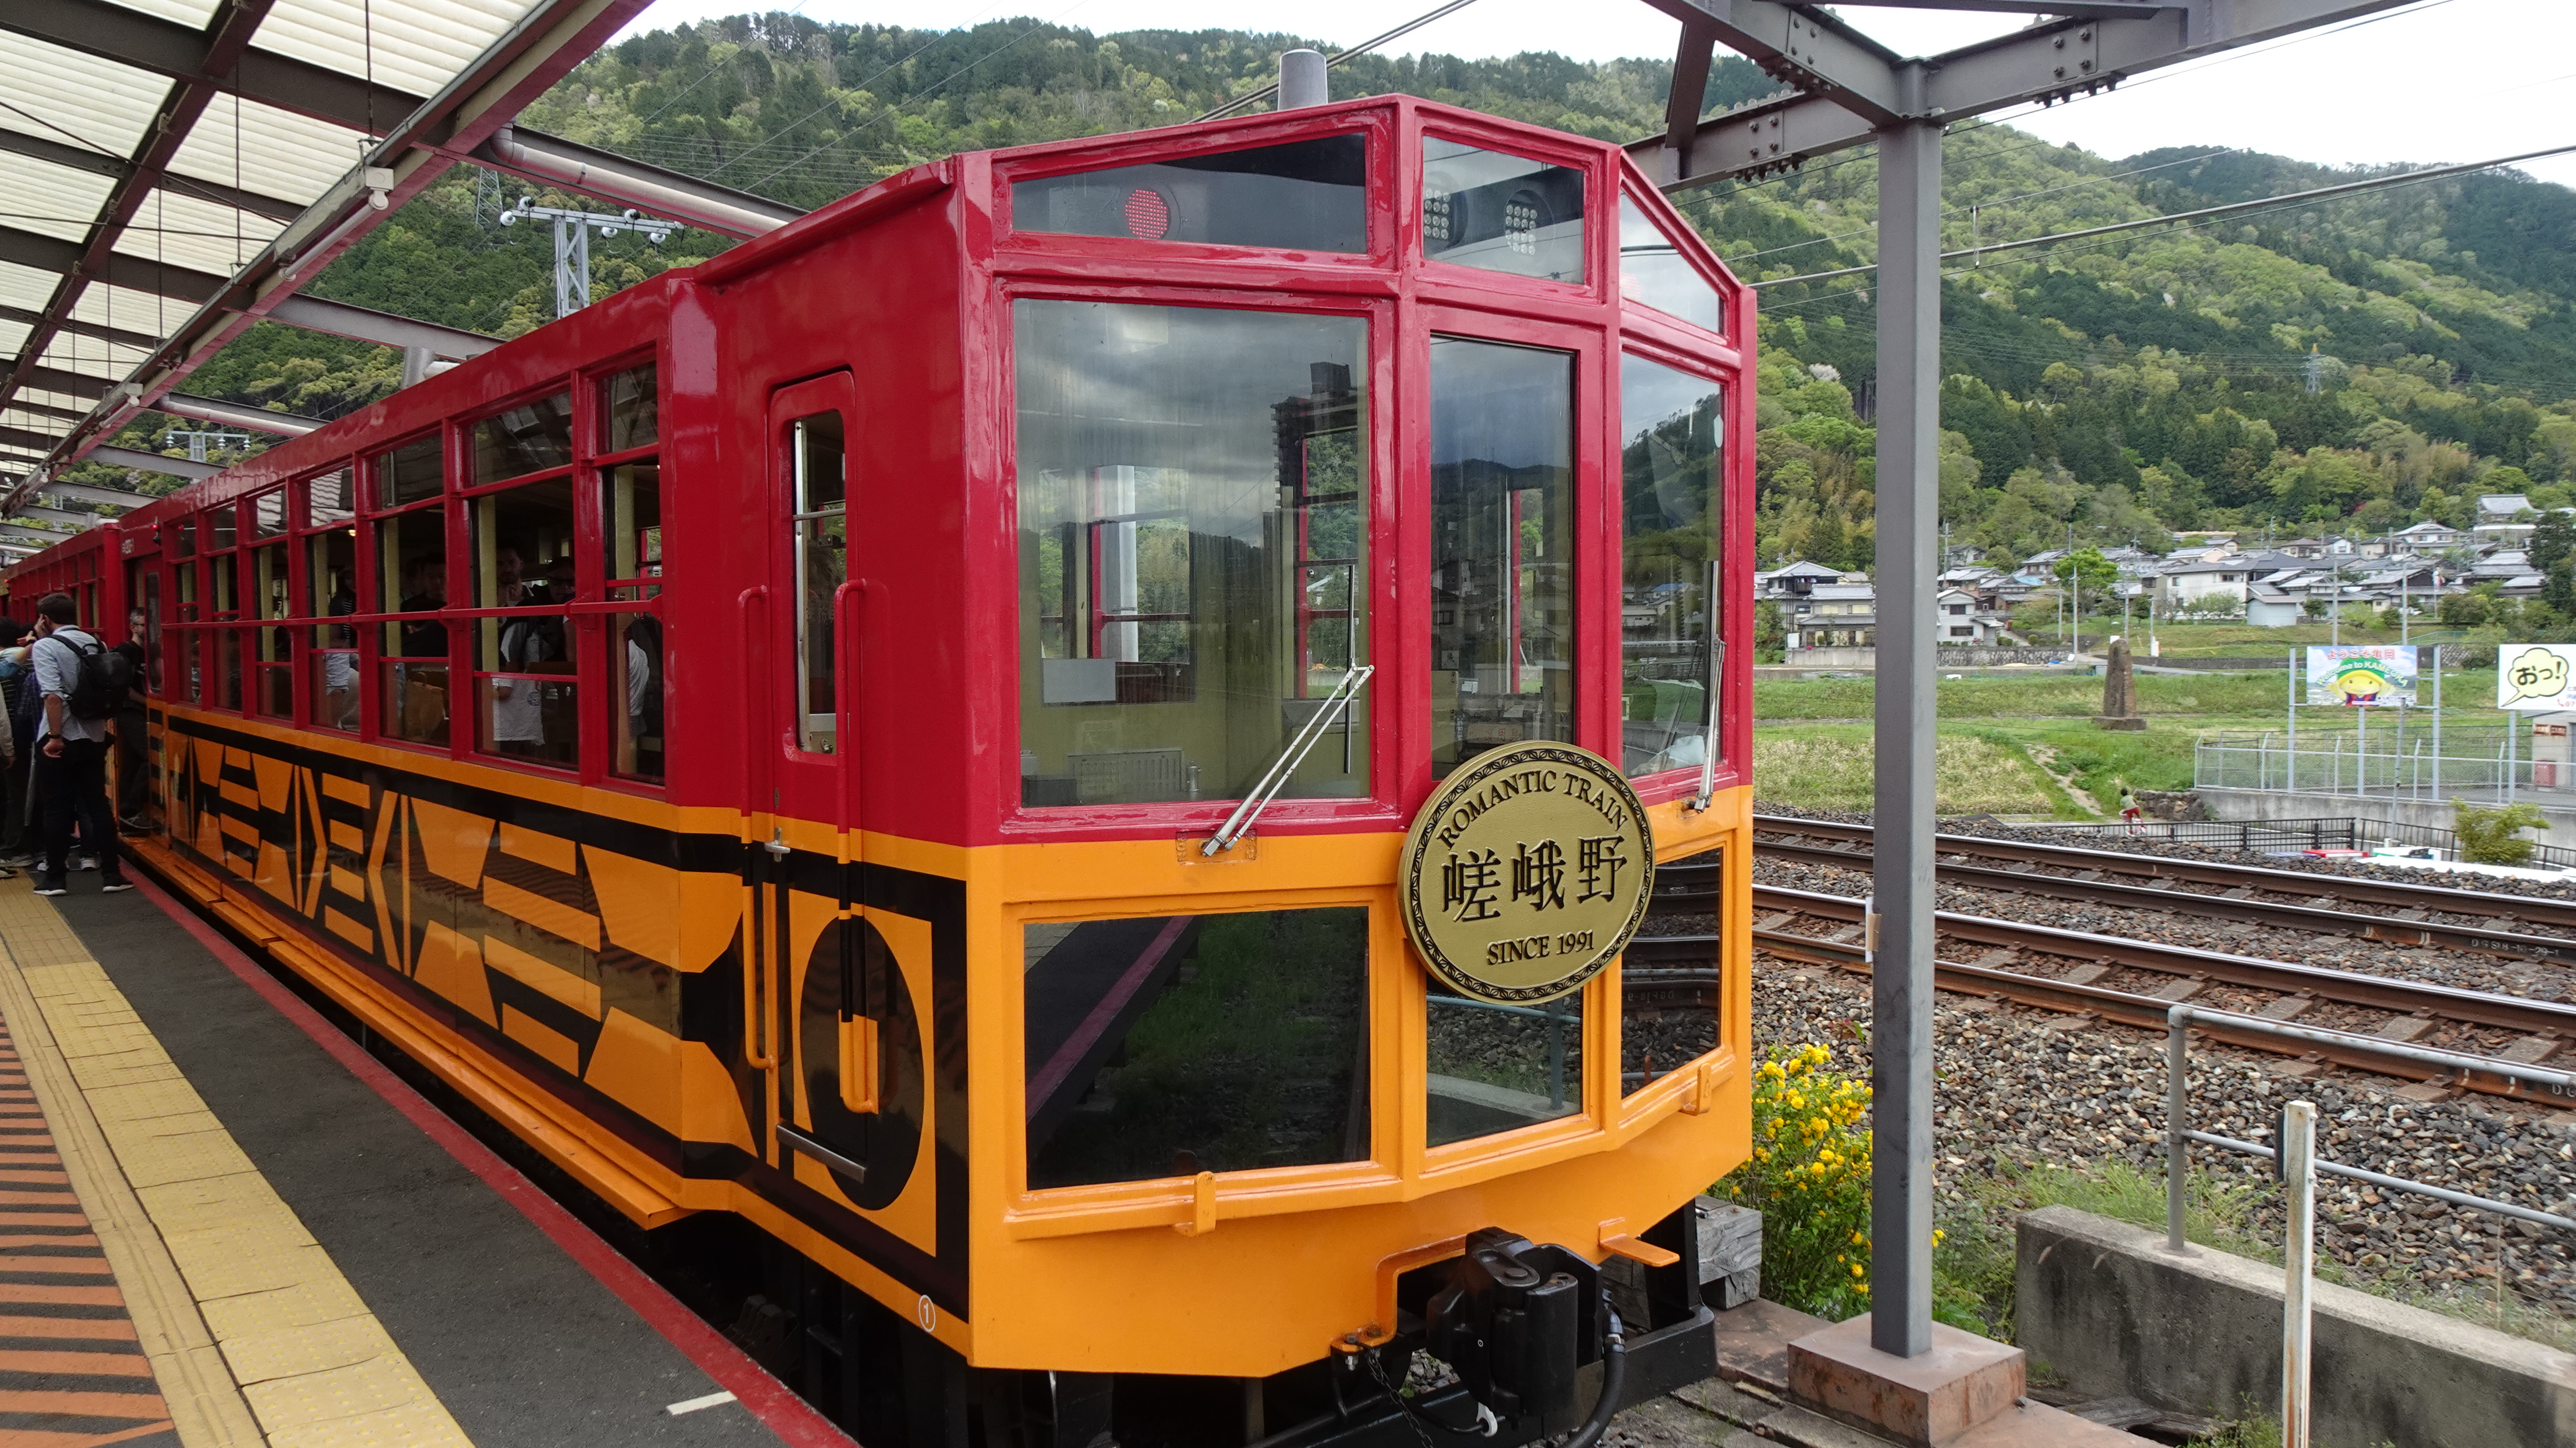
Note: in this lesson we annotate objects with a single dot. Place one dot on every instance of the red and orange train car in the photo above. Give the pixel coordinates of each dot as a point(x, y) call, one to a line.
point(757, 739)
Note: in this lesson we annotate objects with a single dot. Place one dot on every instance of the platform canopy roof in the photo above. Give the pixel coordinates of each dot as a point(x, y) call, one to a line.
point(172, 170)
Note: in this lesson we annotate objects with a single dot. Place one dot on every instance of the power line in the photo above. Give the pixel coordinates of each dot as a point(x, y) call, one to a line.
point(2291, 198)
point(1363, 48)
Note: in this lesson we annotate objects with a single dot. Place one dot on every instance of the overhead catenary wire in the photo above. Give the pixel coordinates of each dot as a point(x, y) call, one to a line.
point(1363, 48)
point(2233, 208)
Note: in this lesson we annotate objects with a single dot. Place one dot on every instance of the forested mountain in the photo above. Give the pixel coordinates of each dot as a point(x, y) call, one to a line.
point(2354, 363)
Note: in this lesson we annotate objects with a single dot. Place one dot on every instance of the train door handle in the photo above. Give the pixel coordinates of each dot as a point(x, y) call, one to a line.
point(858, 1064)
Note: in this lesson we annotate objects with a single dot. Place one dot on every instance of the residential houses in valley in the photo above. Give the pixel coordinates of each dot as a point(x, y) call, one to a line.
point(2270, 584)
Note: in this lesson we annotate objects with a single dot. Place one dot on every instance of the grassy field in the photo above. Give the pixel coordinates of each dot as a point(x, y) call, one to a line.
point(2028, 746)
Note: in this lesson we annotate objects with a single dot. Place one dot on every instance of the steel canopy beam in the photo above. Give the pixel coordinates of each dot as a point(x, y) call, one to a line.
point(126, 457)
point(384, 328)
point(187, 55)
point(236, 414)
point(431, 134)
point(605, 174)
point(105, 497)
point(2082, 9)
point(37, 514)
point(1804, 46)
point(99, 163)
point(2050, 61)
point(41, 537)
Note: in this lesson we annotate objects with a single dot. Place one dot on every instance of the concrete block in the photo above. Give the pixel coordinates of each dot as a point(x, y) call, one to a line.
point(2104, 1306)
point(1921, 1401)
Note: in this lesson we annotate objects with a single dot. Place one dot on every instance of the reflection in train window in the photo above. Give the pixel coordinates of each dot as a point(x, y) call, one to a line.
point(528, 438)
point(1652, 270)
point(1495, 1067)
point(1171, 1045)
point(1671, 434)
point(1502, 548)
point(1302, 196)
point(1501, 213)
point(1193, 539)
point(1655, 1037)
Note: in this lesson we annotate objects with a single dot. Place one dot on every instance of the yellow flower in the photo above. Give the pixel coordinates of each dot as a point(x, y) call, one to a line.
point(1856, 1272)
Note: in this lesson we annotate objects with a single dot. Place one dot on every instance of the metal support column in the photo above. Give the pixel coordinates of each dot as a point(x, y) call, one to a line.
point(1909, 506)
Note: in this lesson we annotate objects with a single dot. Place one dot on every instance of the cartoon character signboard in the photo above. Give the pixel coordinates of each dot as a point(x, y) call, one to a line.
point(2363, 675)
point(2536, 678)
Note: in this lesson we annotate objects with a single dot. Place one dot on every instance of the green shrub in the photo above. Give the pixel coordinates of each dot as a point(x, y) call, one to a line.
point(1809, 1178)
point(2494, 836)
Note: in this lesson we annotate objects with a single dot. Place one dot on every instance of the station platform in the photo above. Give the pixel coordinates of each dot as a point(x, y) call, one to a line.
point(224, 1223)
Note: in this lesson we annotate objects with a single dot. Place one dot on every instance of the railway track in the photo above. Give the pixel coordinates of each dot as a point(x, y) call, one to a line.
point(2394, 912)
point(1661, 968)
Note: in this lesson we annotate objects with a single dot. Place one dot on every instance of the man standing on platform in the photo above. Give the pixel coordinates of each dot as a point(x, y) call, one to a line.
point(69, 774)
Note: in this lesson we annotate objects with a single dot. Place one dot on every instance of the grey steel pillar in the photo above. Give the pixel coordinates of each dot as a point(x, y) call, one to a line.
point(1301, 80)
point(1909, 507)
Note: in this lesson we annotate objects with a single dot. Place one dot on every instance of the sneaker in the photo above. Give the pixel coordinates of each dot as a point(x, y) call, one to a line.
point(21, 861)
point(51, 885)
point(87, 862)
point(116, 886)
point(133, 827)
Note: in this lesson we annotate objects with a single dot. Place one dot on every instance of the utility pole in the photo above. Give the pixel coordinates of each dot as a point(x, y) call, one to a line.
point(572, 243)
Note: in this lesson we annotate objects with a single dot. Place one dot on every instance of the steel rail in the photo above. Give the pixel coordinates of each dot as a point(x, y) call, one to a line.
point(2402, 997)
point(2527, 909)
point(2171, 896)
point(1652, 984)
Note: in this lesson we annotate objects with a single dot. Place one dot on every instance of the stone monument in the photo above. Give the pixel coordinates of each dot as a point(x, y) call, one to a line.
point(2119, 692)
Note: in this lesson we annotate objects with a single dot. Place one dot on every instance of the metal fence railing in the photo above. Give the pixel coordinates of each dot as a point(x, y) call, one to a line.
point(2246, 837)
point(2275, 837)
point(2406, 764)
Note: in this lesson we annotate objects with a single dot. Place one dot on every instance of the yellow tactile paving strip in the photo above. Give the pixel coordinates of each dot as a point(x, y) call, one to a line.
point(251, 1329)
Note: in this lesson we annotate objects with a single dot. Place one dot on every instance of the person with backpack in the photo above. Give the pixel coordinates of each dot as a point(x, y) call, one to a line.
point(82, 685)
point(18, 701)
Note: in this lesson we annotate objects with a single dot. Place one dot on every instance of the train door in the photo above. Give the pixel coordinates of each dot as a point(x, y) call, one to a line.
point(836, 1034)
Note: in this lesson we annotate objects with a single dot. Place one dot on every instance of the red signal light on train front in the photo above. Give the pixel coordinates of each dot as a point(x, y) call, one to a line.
point(1149, 216)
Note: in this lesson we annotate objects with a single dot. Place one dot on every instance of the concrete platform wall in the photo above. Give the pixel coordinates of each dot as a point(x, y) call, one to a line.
point(2103, 1305)
point(2234, 805)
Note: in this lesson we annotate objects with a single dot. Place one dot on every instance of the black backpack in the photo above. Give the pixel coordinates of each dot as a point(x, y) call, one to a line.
point(100, 685)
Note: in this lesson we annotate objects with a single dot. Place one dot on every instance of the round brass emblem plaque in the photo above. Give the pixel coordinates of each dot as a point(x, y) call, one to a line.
point(1526, 871)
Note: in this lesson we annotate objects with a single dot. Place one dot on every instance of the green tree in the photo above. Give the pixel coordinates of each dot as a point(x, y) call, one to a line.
point(2085, 571)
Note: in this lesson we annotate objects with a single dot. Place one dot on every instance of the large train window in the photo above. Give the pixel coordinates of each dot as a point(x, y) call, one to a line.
point(1502, 547)
point(1308, 195)
point(1171, 1045)
point(1671, 452)
point(1499, 212)
point(1491, 1067)
point(1193, 488)
point(411, 578)
point(1653, 271)
point(331, 591)
point(630, 524)
point(272, 669)
point(822, 564)
point(223, 606)
point(526, 695)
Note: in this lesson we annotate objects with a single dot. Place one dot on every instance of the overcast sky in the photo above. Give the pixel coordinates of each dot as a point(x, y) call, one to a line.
point(2442, 80)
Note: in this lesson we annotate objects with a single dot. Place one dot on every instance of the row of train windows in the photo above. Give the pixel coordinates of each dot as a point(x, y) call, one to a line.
point(549, 516)
point(1251, 1049)
point(1481, 208)
point(1193, 530)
